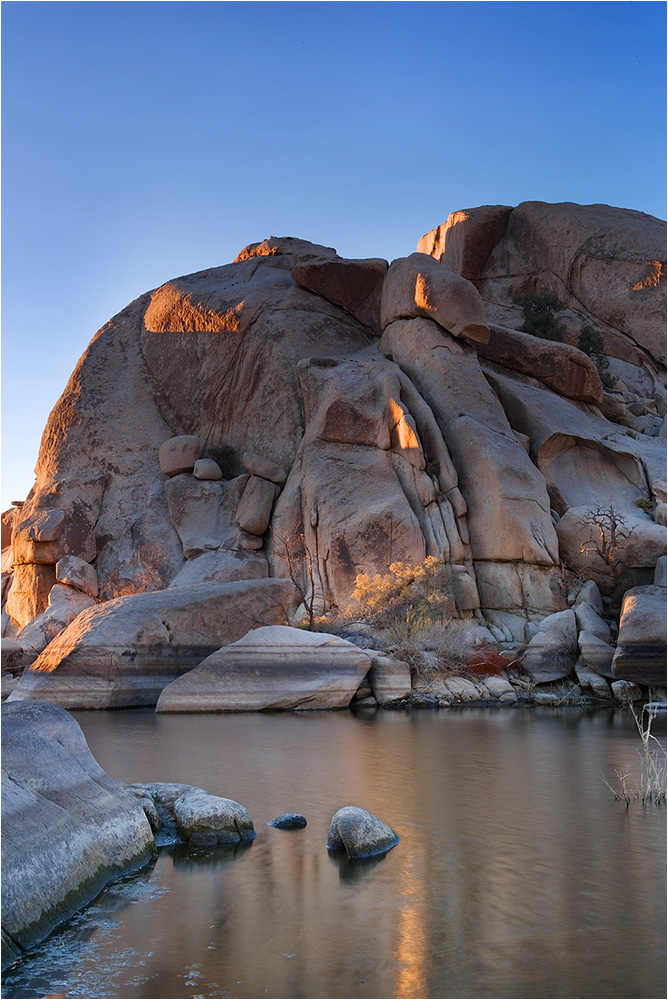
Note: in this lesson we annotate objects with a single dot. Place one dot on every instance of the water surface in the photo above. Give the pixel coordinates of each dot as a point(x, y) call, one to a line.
point(517, 875)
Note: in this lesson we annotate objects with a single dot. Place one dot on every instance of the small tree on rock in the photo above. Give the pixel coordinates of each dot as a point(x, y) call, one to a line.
point(539, 315)
point(590, 342)
point(607, 530)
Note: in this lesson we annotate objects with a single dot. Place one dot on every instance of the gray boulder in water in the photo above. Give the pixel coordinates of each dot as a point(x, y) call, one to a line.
point(359, 834)
point(288, 821)
point(67, 828)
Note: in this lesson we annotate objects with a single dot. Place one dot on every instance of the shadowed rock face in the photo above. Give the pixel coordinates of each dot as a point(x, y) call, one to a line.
point(641, 650)
point(318, 450)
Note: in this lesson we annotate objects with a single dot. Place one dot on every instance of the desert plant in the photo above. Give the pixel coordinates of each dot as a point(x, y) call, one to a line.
point(590, 342)
point(413, 608)
point(650, 785)
point(485, 661)
point(539, 315)
point(418, 595)
point(645, 505)
point(300, 563)
point(608, 528)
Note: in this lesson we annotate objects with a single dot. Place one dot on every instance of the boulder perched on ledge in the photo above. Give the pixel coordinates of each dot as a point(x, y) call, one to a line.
point(67, 828)
point(276, 667)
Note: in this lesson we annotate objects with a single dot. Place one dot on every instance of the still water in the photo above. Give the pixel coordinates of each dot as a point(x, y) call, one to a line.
point(517, 875)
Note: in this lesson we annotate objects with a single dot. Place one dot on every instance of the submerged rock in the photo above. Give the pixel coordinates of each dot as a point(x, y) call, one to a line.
point(359, 833)
point(288, 821)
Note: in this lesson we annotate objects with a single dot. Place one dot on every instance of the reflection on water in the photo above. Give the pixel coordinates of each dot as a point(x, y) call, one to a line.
point(517, 875)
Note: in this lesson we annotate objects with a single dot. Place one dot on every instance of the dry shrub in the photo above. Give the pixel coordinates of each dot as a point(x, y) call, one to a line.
point(485, 661)
point(415, 595)
point(651, 785)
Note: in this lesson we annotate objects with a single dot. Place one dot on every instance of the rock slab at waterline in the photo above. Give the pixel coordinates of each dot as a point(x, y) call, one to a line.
point(271, 668)
point(299, 415)
point(124, 652)
point(67, 828)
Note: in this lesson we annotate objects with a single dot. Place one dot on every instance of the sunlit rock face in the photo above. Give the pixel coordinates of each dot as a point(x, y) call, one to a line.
point(607, 265)
point(341, 415)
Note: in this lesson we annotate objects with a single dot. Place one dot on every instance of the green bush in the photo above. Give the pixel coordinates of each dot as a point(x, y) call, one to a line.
point(591, 343)
point(539, 315)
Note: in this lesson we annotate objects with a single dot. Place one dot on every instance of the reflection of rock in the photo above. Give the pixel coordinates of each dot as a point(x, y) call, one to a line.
point(213, 858)
point(271, 668)
point(67, 828)
point(359, 834)
point(123, 652)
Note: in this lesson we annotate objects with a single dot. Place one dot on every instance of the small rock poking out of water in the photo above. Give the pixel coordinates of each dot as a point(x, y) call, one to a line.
point(359, 834)
point(288, 821)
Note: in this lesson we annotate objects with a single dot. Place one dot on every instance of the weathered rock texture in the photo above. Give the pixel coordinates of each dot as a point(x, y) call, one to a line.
point(606, 264)
point(298, 415)
point(271, 668)
point(67, 828)
point(359, 834)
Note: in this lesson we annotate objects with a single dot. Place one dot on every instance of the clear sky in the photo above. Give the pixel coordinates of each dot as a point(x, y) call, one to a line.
point(142, 141)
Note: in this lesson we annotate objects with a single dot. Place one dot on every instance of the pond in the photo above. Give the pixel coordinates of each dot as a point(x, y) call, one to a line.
point(517, 875)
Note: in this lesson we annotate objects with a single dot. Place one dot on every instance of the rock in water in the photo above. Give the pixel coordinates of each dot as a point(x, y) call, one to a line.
point(205, 820)
point(288, 821)
point(359, 834)
point(67, 828)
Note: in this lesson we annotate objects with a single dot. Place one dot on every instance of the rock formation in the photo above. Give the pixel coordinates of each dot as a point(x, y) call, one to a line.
point(299, 416)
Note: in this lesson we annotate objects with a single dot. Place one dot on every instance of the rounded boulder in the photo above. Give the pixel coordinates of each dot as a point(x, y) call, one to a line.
point(359, 834)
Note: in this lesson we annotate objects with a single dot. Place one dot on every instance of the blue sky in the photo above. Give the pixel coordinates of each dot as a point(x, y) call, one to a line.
point(142, 141)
